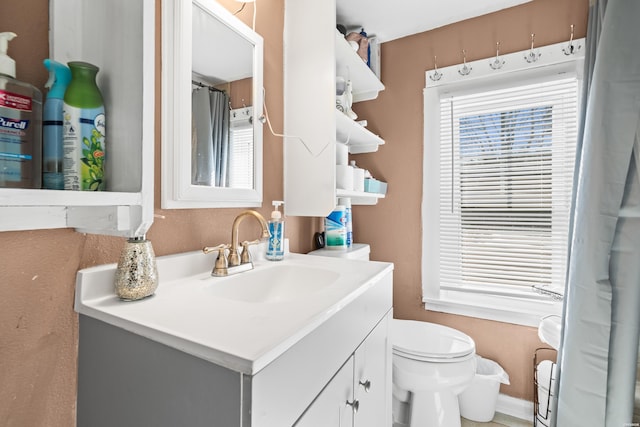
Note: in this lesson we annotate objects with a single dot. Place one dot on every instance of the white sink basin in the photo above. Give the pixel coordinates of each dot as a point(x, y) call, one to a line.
point(272, 284)
point(242, 322)
point(550, 330)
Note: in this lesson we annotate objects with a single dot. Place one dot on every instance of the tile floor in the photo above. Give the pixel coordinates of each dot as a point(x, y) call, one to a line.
point(500, 420)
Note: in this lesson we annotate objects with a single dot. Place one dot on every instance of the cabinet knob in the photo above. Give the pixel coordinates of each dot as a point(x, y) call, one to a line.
point(355, 405)
point(366, 385)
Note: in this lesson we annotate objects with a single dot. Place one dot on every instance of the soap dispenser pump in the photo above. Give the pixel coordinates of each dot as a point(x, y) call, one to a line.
point(275, 250)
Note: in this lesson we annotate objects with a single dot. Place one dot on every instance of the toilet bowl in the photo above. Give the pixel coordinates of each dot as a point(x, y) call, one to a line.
point(432, 365)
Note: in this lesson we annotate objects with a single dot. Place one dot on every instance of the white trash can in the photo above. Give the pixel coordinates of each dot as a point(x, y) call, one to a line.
point(478, 401)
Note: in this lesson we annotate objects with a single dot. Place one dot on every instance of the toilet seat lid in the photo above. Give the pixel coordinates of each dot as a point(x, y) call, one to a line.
point(425, 340)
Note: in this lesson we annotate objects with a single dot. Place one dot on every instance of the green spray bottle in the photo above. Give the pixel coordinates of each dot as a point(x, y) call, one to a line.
point(84, 130)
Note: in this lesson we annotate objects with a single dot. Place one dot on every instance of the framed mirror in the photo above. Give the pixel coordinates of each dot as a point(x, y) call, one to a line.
point(212, 66)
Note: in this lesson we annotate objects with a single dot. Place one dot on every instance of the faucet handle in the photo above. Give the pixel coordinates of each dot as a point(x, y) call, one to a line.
point(209, 249)
point(245, 256)
point(220, 267)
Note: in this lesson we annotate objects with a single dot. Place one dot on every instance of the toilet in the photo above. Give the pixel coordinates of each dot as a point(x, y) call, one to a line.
point(432, 365)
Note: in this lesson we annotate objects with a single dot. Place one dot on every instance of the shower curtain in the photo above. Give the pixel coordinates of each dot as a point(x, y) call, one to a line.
point(210, 138)
point(598, 354)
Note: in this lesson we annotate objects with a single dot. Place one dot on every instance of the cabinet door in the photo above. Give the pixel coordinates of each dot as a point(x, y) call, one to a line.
point(309, 107)
point(372, 378)
point(334, 406)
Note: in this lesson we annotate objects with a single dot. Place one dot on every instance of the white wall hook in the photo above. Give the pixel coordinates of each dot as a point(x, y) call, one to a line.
point(532, 56)
point(571, 48)
point(497, 63)
point(436, 75)
point(465, 70)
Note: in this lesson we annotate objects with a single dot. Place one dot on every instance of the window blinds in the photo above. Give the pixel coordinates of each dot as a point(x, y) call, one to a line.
point(241, 153)
point(506, 171)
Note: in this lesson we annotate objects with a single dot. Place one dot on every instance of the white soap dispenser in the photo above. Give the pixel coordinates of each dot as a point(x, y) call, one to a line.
point(275, 249)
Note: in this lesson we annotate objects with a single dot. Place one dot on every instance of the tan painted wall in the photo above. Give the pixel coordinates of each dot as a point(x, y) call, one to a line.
point(38, 327)
point(393, 226)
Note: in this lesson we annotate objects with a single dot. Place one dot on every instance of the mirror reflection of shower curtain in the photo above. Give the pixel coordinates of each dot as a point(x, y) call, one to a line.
point(210, 138)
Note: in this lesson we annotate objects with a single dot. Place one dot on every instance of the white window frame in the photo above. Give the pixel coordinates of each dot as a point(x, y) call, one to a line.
point(524, 307)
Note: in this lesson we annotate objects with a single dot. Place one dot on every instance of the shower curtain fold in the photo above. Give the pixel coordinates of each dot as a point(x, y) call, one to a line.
point(598, 355)
point(210, 138)
point(202, 157)
point(220, 128)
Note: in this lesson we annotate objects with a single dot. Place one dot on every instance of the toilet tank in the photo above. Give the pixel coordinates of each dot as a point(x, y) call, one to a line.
point(359, 251)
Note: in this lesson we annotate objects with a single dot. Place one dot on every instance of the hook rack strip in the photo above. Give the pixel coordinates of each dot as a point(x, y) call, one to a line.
point(545, 55)
point(531, 56)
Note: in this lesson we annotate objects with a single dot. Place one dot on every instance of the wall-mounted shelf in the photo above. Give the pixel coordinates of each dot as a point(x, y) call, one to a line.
point(365, 83)
point(127, 209)
point(358, 138)
point(360, 197)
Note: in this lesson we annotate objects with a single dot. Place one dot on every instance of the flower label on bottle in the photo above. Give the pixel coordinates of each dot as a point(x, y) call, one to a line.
point(84, 148)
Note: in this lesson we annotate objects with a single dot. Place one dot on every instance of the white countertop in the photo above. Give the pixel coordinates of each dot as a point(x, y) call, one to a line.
point(238, 335)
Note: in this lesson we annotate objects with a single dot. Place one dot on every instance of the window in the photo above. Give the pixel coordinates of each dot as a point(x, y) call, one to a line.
point(503, 157)
point(241, 153)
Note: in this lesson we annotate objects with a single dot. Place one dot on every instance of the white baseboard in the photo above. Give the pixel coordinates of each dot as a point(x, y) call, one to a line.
point(518, 408)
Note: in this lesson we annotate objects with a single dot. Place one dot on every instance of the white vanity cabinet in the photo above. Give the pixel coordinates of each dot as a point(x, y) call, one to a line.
point(185, 358)
point(334, 405)
point(372, 378)
point(358, 395)
point(118, 36)
point(314, 53)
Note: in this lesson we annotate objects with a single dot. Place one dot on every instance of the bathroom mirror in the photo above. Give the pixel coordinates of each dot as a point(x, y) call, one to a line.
point(211, 98)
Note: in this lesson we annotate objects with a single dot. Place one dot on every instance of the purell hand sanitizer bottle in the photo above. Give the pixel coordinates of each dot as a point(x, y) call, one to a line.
point(20, 126)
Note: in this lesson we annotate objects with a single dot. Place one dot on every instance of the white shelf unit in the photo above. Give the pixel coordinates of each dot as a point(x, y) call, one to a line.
point(355, 136)
point(311, 121)
point(365, 83)
point(84, 31)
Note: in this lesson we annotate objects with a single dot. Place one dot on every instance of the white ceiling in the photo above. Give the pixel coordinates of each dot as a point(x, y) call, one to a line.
point(390, 20)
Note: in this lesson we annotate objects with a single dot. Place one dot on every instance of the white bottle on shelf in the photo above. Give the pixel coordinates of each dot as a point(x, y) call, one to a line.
point(335, 229)
point(358, 177)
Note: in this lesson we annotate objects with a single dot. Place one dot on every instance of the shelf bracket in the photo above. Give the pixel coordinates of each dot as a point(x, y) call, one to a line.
point(114, 220)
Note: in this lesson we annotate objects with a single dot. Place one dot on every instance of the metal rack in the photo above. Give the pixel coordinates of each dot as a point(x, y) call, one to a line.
point(542, 411)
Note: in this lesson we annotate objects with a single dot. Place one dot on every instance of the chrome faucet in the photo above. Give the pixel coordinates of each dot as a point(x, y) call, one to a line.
point(234, 262)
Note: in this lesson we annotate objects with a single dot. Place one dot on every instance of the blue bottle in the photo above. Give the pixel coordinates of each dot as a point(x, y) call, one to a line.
point(363, 33)
point(52, 152)
point(346, 202)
